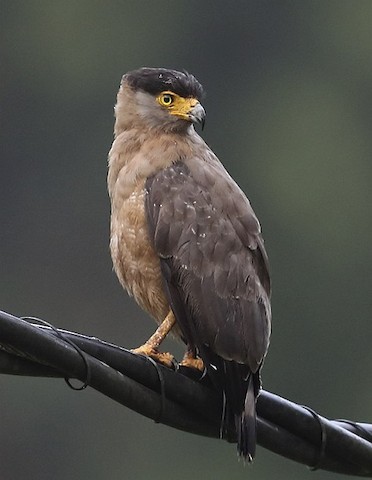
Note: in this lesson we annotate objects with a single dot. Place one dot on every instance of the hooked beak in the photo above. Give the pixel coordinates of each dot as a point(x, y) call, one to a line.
point(188, 109)
point(197, 115)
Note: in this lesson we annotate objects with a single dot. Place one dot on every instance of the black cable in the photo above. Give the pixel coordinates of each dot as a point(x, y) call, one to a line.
point(341, 443)
point(52, 351)
point(184, 403)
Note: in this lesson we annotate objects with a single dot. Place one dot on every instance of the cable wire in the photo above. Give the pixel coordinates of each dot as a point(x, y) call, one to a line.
point(180, 399)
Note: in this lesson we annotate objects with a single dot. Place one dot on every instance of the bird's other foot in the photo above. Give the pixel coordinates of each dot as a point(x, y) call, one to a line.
point(190, 361)
point(165, 358)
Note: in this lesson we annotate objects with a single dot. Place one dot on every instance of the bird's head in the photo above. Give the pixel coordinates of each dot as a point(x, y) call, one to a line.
point(160, 99)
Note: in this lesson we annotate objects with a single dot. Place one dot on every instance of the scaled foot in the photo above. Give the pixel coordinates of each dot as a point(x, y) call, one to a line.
point(165, 358)
point(190, 361)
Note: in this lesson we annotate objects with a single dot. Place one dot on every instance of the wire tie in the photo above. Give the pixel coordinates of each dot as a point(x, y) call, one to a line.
point(362, 432)
point(158, 418)
point(73, 345)
point(323, 439)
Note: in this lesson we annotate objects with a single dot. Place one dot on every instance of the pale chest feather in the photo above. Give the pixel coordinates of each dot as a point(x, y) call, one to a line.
point(135, 262)
point(131, 161)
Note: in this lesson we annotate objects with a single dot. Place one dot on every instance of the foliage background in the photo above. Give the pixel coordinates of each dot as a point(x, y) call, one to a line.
point(289, 113)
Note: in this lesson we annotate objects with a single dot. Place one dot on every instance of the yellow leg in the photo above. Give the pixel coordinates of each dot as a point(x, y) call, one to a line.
point(150, 348)
point(190, 360)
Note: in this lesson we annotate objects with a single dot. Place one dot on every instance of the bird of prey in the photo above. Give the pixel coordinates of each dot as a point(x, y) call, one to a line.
point(185, 242)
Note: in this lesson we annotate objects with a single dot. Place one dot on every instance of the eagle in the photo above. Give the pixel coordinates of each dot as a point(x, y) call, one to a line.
point(186, 243)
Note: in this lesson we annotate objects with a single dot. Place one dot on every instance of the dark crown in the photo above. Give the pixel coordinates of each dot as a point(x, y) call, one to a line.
point(156, 80)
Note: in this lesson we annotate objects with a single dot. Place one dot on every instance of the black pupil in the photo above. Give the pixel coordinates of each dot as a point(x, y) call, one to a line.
point(167, 99)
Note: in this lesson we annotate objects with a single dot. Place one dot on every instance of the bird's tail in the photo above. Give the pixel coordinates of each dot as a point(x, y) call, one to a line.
point(241, 390)
point(245, 424)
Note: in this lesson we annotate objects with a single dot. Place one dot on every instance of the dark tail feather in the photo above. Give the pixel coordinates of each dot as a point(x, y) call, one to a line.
point(246, 424)
point(240, 387)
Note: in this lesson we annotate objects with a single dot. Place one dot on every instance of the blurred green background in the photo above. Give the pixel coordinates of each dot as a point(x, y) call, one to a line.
point(289, 105)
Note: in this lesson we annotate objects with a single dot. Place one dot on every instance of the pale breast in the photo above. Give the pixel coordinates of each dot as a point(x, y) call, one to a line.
point(135, 262)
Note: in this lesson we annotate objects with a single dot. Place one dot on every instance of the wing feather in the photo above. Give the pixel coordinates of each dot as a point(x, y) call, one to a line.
point(204, 228)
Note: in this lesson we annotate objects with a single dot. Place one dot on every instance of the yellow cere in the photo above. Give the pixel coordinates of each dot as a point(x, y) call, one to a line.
point(176, 104)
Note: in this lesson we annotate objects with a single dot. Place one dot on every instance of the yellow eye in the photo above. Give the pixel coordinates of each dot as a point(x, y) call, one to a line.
point(166, 99)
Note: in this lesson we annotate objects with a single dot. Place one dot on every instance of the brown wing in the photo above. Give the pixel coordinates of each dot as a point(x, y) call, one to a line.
point(213, 260)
